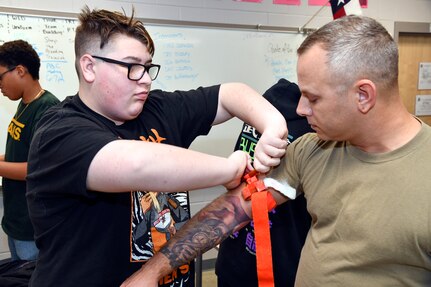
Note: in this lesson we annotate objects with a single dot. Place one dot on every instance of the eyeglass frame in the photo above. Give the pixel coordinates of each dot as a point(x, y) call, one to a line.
point(129, 67)
point(7, 71)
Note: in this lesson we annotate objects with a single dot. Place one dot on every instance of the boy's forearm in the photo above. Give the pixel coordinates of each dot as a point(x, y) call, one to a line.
point(254, 108)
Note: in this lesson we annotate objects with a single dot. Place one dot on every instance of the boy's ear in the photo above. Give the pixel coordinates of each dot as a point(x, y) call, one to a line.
point(86, 63)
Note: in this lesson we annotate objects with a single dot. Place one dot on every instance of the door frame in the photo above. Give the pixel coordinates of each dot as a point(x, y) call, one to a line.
point(419, 29)
point(411, 27)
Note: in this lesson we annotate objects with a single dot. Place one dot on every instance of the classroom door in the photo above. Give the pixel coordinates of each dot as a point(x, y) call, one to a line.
point(413, 49)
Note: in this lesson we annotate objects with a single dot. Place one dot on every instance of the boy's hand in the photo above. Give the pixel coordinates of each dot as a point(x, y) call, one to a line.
point(242, 161)
point(270, 148)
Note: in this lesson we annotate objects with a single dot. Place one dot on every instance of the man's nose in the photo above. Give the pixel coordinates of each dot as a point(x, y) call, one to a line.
point(303, 109)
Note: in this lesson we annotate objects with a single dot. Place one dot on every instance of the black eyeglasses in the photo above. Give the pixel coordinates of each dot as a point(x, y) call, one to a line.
point(135, 71)
point(4, 73)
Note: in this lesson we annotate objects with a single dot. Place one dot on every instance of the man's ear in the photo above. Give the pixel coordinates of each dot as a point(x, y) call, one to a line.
point(86, 64)
point(366, 95)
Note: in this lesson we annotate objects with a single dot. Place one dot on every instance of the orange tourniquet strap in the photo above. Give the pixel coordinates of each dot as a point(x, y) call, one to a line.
point(261, 202)
point(263, 238)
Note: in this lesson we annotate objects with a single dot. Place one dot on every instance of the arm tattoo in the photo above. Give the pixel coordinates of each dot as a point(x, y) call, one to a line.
point(206, 229)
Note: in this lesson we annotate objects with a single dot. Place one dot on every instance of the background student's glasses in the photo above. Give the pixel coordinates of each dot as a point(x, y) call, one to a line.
point(7, 71)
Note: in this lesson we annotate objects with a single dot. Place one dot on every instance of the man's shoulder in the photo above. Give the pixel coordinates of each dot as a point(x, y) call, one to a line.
point(308, 138)
point(310, 143)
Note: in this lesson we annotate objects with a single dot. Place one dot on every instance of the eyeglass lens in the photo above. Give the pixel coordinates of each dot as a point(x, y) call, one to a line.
point(136, 72)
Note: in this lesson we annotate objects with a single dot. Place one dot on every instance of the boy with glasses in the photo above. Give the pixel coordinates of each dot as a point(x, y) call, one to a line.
point(101, 160)
point(19, 80)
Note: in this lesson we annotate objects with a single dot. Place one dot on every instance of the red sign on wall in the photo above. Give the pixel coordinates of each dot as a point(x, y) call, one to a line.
point(364, 3)
point(287, 2)
point(254, 1)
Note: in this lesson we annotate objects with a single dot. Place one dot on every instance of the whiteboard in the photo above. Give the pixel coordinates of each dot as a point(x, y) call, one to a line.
point(190, 57)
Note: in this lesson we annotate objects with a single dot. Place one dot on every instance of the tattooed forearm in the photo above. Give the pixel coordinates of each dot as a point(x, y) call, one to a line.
point(206, 229)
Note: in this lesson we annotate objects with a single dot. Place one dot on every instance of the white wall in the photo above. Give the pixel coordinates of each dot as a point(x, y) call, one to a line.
point(232, 12)
point(236, 12)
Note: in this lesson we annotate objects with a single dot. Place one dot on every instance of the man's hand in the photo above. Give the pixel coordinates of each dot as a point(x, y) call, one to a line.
point(270, 148)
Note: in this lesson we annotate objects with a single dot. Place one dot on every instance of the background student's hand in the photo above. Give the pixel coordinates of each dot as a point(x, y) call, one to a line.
point(242, 161)
point(270, 148)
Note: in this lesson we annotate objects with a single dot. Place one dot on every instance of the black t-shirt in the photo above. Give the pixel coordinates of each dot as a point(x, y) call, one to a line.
point(16, 222)
point(99, 239)
point(289, 222)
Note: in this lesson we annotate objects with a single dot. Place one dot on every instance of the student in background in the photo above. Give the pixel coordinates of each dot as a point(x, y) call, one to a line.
point(289, 222)
point(19, 81)
point(100, 161)
point(365, 172)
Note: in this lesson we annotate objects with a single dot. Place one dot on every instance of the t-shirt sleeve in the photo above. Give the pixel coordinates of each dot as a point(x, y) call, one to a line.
point(189, 113)
point(289, 172)
point(63, 155)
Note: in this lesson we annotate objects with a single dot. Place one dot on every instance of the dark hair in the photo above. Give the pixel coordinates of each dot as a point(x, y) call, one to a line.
point(97, 27)
point(20, 52)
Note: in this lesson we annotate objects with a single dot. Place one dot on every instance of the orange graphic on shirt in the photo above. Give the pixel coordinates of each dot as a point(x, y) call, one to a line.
point(170, 278)
point(163, 224)
point(157, 139)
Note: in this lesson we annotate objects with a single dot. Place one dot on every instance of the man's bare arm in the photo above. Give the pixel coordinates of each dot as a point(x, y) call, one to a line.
point(205, 230)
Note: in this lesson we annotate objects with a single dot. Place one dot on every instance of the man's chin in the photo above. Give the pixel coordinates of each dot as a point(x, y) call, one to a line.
point(322, 136)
